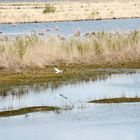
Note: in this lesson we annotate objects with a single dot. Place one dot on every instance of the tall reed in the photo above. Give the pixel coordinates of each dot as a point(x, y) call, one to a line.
point(100, 48)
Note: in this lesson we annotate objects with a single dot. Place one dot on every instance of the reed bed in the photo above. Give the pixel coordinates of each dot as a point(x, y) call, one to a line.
point(94, 48)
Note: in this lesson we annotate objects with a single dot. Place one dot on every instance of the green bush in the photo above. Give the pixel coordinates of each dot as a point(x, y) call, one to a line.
point(49, 9)
point(21, 44)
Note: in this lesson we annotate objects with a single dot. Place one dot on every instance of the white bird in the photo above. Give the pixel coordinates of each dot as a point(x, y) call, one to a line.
point(57, 70)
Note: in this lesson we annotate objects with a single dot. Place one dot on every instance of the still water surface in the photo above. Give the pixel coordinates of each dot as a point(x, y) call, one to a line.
point(68, 28)
point(114, 86)
point(84, 121)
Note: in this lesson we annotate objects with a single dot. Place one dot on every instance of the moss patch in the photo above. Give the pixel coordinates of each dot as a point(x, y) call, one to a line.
point(49, 9)
point(116, 100)
point(72, 74)
point(26, 110)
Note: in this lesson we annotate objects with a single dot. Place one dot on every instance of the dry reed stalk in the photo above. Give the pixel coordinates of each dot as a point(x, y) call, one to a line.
point(100, 48)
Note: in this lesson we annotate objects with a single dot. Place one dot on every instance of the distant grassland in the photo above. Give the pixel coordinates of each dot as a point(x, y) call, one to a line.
point(68, 10)
point(102, 49)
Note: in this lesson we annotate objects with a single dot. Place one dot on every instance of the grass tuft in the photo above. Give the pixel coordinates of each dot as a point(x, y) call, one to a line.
point(116, 100)
point(49, 9)
point(26, 110)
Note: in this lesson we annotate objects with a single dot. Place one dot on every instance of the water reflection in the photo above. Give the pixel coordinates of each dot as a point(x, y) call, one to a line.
point(76, 94)
point(54, 85)
point(98, 121)
point(88, 121)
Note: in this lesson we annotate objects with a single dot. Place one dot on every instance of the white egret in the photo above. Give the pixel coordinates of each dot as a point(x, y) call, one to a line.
point(57, 70)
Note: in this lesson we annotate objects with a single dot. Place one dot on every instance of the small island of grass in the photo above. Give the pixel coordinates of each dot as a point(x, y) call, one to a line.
point(26, 110)
point(116, 100)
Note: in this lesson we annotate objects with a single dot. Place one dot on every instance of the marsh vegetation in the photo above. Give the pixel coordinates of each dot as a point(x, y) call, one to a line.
point(26, 110)
point(96, 65)
point(36, 77)
point(30, 59)
point(101, 48)
point(116, 100)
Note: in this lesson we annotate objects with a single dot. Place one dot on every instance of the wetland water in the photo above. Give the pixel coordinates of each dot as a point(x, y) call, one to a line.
point(68, 28)
point(85, 120)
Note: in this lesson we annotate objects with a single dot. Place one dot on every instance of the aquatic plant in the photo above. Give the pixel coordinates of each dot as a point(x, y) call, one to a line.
point(18, 82)
point(26, 110)
point(117, 100)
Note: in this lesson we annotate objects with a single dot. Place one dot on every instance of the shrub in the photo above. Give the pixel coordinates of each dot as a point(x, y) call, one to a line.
point(49, 9)
point(21, 44)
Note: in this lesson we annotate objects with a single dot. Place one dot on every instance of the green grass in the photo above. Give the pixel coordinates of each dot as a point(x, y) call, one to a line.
point(22, 44)
point(26, 110)
point(72, 74)
point(116, 100)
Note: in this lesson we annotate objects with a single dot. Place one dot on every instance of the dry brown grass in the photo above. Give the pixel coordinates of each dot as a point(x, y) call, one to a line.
point(99, 49)
point(69, 10)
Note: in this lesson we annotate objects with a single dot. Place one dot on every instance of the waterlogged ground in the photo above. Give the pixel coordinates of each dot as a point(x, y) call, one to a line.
point(84, 121)
point(81, 120)
point(68, 28)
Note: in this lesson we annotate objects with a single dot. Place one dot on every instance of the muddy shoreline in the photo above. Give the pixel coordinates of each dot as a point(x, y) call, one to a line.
point(70, 20)
point(72, 74)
